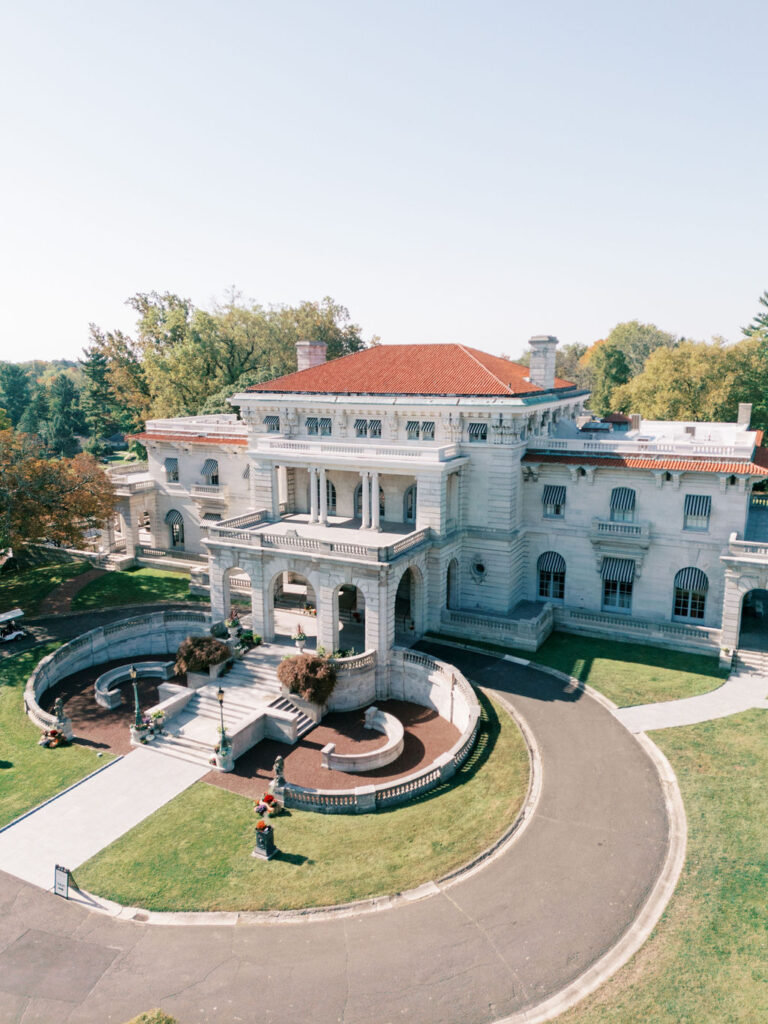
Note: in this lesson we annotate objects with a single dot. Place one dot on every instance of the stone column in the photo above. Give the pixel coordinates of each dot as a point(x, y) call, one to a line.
point(366, 499)
point(312, 494)
point(275, 494)
point(323, 498)
point(375, 501)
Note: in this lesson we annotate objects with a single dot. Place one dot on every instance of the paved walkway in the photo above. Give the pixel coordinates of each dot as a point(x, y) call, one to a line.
point(741, 691)
point(76, 825)
point(501, 940)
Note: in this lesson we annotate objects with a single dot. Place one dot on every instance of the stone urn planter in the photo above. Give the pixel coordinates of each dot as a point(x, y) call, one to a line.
point(143, 735)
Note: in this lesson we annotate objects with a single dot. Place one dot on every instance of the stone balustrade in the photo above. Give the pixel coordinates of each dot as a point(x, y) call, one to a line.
point(370, 760)
point(107, 696)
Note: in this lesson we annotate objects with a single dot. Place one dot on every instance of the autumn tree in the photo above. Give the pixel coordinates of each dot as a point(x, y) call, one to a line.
point(48, 499)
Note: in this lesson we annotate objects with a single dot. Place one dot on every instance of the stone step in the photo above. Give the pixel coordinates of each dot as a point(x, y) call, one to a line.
point(303, 724)
point(183, 747)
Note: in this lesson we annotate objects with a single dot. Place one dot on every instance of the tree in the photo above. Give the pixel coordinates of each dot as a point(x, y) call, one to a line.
point(568, 364)
point(36, 415)
point(14, 390)
point(48, 499)
point(127, 379)
point(66, 417)
point(100, 411)
point(760, 320)
point(609, 368)
point(637, 340)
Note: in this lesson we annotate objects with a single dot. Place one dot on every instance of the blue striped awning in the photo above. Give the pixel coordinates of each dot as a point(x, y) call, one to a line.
point(622, 499)
point(311, 424)
point(554, 494)
point(691, 578)
point(210, 467)
point(698, 504)
point(374, 426)
point(412, 426)
point(171, 465)
point(361, 425)
point(174, 518)
point(325, 425)
point(618, 570)
point(478, 429)
point(428, 428)
point(550, 561)
point(273, 422)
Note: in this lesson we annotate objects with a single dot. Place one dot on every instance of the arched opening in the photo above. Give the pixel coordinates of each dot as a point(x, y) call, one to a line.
point(237, 592)
point(754, 620)
point(294, 608)
point(452, 585)
point(359, 502)
point(690, 595)
point(409, 623)
point(175, 521)
point(551, 576)
point(330, 491)
point(145, 529)
point(351, 619)
point(409, 504)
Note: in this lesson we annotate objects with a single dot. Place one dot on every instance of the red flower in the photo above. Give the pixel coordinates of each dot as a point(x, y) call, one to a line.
point(268, 798)
point(261, 826)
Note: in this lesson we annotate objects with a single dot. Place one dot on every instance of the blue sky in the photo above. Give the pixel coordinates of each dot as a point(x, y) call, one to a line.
point(474, 172)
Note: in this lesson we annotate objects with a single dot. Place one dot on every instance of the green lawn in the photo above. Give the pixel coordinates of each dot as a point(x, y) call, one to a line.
point(30, 774)
point(707, 960)
point(195, 853)
point(135, 586)
point(27, 588)
point(626, 673)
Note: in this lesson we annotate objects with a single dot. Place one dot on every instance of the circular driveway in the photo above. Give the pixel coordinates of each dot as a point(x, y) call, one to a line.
point(501, 940)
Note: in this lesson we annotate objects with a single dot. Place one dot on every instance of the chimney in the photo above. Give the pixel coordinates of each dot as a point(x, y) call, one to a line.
point(745, 414)
point(634, 421)
point(310, 353)
point(542, 369)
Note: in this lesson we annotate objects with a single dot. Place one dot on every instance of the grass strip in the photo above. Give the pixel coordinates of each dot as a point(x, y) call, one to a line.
point(626, 673)
point(28, 588)
point(134, 586)
point(195, 853)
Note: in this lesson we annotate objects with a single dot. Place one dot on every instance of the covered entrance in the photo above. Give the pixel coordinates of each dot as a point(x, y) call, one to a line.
point(753, 632)
point(295, 607)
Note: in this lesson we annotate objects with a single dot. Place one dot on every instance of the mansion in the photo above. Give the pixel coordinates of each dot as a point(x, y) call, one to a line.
point(415, 488)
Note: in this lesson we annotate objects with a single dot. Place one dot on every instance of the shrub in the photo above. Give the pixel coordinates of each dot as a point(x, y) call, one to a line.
point(310, 677)
point(219, 630)
point(198, 653)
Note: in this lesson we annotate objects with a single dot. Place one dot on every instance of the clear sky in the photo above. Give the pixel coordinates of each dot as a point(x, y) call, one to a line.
point(474, 172)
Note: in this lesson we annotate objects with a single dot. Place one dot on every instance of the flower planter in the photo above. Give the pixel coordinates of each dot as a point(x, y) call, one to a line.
point(265, 843)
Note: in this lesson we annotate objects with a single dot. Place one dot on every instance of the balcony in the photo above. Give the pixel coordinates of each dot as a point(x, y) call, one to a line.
point(133, 484)
point(354, 453)
point(616, 445)
point(209, 493)
point(620, 535)
point(340, 539)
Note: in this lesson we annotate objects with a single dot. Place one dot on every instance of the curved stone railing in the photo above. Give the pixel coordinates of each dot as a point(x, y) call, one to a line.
point(107, 697)
point(420, 679)
point(156, 633)
point(370, 760)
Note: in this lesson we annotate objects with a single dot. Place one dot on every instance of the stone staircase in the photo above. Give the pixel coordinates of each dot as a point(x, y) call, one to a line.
point(250, 688)
point(750, 661)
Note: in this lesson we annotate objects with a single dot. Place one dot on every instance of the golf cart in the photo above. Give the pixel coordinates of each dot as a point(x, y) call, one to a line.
point(9, 626)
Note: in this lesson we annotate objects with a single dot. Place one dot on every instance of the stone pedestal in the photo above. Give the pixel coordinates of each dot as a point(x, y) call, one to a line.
point(265, 847)
point(225, 762)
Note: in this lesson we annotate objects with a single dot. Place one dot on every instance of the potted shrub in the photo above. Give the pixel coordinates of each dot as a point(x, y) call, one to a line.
point(202, 658)
point(299, 637)
point(308, 677)
point(233, 622)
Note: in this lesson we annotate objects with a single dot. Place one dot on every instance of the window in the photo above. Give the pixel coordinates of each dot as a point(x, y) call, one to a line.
point(412, 430)
point(553, 499)
point(622, 505)
point(374, 428)
point(361, 428)
point(551, 570)
point(478, 567)
point(272, 423)
point(696, 511)
point(409, 504)
point(172, 471)
point(618, 576)
point(176, 522)
point(325, 427)
point(359, 502)
point(428, 430)
point(478, 433)
point(210, 472)
point(691, 587)
point(330, 494)
point(311, 424)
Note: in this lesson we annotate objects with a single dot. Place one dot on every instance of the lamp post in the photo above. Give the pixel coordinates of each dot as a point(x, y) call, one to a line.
point(224, 741)
point(137, 709)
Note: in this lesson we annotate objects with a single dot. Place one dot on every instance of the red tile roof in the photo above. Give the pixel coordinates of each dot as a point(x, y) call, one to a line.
point(412, 370)
point(190, 438)
point(643, 462)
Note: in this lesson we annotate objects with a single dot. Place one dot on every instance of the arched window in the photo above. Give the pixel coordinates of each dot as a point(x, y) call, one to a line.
point(452, 585)
point(691, 587)
point(409, 504)
point(359, 501)
point(330, 492)
point(210, 472)
point(551, 570)
point(176, 522)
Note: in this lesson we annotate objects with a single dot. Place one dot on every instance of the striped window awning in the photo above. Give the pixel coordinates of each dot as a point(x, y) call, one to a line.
point(698, 504)
point(374, 426)
point(618, 570)
point(311, 423)
point(550, 561)
point(412, 426)
point(211, 517)
point(325, 425)
point(361, 424)
point(622, 499)
point(554, 494)
point(210, 467)
point(478, 429)
point(691, 578)
point(428, 429)
point(174, 518)
point(247, 472)
point(171, 465)
point(273, 422)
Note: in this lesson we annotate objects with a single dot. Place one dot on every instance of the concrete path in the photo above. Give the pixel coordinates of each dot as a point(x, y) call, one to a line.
point(742, 690)
point(496, 943)
point(76, 825)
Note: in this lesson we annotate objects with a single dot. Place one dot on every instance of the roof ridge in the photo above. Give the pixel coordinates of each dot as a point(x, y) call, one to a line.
point(472, 355)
